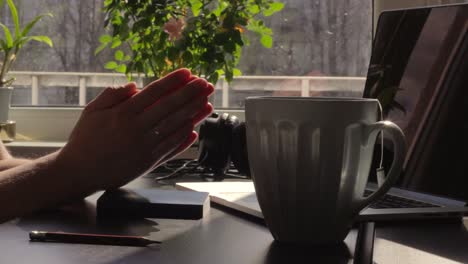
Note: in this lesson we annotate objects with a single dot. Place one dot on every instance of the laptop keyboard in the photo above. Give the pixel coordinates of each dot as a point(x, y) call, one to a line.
point(392, 201)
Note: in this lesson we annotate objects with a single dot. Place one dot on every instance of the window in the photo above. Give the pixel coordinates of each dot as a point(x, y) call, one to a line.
point(320, 48)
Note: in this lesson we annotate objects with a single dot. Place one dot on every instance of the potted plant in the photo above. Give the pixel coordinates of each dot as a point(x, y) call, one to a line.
point(10, 45)
point(205, 36)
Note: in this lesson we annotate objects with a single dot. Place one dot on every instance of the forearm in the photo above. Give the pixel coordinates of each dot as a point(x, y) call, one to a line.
point(7, 164)
point(35, 185)
point(7, 161)
point(4, 152)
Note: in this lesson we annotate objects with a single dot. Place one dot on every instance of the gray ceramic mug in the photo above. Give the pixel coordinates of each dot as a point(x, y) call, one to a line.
point(310, 159)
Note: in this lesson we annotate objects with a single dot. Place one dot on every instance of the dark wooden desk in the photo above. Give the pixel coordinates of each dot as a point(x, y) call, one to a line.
point(221, 237)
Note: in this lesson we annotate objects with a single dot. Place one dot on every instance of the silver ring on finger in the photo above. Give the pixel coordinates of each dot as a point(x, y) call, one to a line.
point(156, 132)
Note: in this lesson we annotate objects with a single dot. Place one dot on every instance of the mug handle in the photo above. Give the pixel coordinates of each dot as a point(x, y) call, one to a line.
point(398, 139)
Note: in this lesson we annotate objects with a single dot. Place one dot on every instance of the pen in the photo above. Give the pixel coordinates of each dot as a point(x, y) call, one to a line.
point(364, 251)
point(64, 237)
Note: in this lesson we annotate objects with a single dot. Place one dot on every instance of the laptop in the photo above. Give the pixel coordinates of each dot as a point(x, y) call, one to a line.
point(418, 71)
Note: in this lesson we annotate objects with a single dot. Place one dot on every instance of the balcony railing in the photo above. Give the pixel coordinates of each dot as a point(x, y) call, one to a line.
point(44, 88)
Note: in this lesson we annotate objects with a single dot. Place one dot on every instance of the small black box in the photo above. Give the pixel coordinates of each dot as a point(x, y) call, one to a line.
point(153, 203)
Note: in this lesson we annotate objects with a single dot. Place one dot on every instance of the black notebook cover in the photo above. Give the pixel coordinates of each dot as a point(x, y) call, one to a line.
point(153, 203)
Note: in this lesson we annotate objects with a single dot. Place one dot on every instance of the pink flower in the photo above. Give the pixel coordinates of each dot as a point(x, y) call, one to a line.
point(174, 27)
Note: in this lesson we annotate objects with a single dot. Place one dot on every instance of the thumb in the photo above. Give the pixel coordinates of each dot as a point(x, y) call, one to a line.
point(112, 96)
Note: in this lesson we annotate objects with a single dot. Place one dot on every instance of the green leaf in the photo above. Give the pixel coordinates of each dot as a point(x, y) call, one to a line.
point(221, 7)
point(187, 56)
point(116, 43)
point(229, 46)
point(254, 9)
point(229, 22)
point(229, 75)
point(172, 53)
point(236, 36)
point(116, 19)
point(220, 38)
point(9, 39)
point(33, 22)
point(213, 78)
point(111, 65)
point(43, 39)
point(119, 55)
point(237, 53)
point(220, 72)
point(100, 48)
point(273, 8)
point(196, 6)
point(124, 32)
point(237, 72)
point(14, 14)
point(20, 42)
point(267, 41)
point(105, 39)
point(3, 45)
point(245, 40)
point(258, 27)
point(121, 68)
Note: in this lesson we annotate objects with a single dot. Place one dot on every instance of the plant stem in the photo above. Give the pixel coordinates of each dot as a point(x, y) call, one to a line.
point(4, 68)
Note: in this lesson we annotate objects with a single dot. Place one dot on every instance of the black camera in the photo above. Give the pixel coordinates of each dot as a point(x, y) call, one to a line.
point(222, 141)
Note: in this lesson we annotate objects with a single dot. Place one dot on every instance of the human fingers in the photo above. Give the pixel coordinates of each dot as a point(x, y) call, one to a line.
point(174, 122)
point(169, 104)
point(211, 86)
point(112, 96)
point(207, 110)
point(184, 146)
point(177, 119)
point(157, 89)
point(193, 77)
point(190, 140)
point(171, 143)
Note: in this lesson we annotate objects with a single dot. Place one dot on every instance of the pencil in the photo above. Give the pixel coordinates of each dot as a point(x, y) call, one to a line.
point(99, 239)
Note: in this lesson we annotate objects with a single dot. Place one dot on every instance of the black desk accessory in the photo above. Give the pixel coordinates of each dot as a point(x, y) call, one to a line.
point(364, 250)
point(153, 203)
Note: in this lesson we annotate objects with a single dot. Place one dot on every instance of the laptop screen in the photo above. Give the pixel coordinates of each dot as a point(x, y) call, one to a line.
point(414, 56)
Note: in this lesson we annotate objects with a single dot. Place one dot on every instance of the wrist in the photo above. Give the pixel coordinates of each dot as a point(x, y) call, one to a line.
point(73, 174)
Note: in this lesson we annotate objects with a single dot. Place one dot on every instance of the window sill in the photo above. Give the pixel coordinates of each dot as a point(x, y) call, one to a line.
point(32, 149)
point(54, 124)
point(34, 144)
point(35, 149)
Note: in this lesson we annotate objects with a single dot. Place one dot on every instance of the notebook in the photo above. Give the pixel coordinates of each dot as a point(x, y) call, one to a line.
point(421, 57)
point(236, 195)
